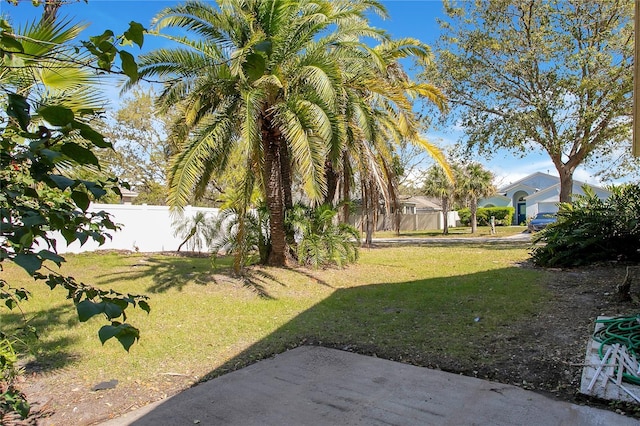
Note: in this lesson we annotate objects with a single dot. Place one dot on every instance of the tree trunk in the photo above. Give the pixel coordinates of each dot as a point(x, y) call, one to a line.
point(346, 189)
point(51, 10)
point(473, 206)
point(285, 169)
point(332, 183)
point(274, 193)
point(566, 182)
point(368, 218)
point(445, 215)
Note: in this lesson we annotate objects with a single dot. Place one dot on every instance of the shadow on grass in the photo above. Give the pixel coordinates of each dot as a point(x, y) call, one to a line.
point(498, 244)
point(46, 354)
point(174, 272)
point(439, 322)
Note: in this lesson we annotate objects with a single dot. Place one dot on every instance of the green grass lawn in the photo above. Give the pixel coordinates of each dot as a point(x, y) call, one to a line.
point(461, 231)
point(406, 303)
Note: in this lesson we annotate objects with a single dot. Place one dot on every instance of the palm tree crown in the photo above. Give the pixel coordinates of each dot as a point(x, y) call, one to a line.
point(286, 83)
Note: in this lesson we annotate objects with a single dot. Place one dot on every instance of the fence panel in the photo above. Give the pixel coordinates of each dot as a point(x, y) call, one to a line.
point(144, 228)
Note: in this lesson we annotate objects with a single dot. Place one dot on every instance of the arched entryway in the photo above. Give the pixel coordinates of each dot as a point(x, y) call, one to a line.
point(520, 206)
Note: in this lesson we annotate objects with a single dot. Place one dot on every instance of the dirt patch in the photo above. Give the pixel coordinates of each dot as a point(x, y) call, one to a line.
point(544, 353)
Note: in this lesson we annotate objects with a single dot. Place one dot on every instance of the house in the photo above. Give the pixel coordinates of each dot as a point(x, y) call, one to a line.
point(538, 192)
point(418, 204)
point(127, 196)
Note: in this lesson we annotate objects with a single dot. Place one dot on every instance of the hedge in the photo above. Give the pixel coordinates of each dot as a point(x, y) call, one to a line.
point(503, 215)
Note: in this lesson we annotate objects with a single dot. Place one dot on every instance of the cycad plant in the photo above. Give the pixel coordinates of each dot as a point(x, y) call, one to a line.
point(591, 230)
point(320, 240)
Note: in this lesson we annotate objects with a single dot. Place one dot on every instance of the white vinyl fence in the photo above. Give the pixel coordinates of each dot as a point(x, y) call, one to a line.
point(143, 228)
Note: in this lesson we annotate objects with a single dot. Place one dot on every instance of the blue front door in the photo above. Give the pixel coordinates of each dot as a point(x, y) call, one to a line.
point(521, 213)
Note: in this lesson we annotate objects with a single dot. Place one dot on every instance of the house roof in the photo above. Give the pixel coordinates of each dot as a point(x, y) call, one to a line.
point(127, 193)
point(421, 202)
point(513, 185)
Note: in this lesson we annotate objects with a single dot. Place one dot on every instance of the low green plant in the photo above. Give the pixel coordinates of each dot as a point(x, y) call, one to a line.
point(241, 234)
point(11, 398)
point(196, 232)
point(592, 230)
point(321, 241)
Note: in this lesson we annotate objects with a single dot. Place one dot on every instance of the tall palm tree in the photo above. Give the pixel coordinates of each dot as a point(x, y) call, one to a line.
point(378, 109)
point(438, 184)
point(255, 74)
point(475, 182)
point(275, 79)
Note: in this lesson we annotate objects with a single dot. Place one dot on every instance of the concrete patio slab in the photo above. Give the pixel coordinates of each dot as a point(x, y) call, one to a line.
point(320, 386)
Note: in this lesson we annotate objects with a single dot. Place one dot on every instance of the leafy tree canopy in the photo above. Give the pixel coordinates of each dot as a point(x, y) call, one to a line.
point(46, 135)
point(550, 75)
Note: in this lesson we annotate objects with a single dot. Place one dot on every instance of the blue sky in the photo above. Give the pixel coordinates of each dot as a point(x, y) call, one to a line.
point(408, 18)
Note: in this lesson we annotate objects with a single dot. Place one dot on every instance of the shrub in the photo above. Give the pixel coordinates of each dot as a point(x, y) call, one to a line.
point(592, 230)
point(503, 215)
point(320, 241)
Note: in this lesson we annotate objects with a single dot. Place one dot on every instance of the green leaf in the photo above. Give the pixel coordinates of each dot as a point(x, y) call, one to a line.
point(9, 44)
point(29, 262)
point(255, 66)
point(49, 255)
point(112, 310)
point(127, 340)
point(79, 154)
point(126, 334)
point(81, 199)
point(62, 182)
point(51, 155)
point(129, 66)
point(264, 46)
point(87, 309)
point(104, 37)
point(18, 108)
point(91, 135)
point(135, 33)
point(56, 115)
point(144, 306)
point(106, 332)
point(95, 190)
point(31, 219)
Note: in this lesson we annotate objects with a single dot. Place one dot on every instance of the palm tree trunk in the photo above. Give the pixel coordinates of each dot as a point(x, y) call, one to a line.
point(285, 168)
point(332, 183)
point(51, 10)
point(445, 215)
point(368, 213)
point(285, 165)
point(274, 194)
point(346, 189)
point(473, 206)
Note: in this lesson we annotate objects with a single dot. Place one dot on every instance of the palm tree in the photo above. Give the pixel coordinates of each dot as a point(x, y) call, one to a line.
point(438, 184)
point(268, 77)
point(380, 118)
point(475, 182)
point(46, 73)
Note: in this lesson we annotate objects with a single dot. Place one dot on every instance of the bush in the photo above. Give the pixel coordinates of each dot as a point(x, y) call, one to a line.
point(503, 215)
point(592, 230)
point(320, 240)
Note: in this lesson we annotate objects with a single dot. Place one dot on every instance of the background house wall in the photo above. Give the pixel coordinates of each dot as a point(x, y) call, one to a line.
point(538, 192)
